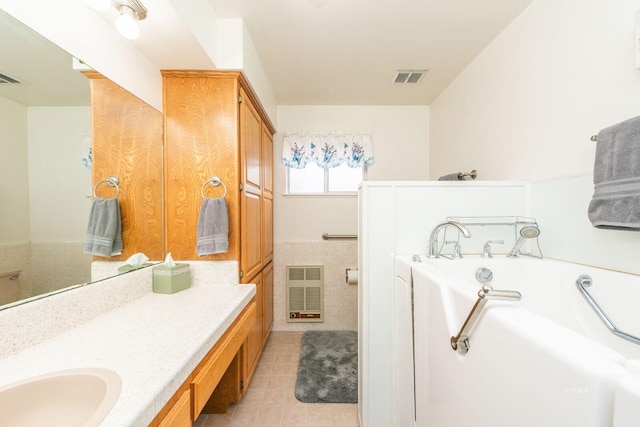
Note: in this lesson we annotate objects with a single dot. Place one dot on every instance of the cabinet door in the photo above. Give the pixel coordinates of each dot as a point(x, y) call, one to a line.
point(251, 200)
point(267, 196)
point(253, 344)
point(267, 299)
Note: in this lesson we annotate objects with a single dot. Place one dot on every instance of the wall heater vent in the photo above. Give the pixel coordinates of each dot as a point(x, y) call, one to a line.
point(305, 285)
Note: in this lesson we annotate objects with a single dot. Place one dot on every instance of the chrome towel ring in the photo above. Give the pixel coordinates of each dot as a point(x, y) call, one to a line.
point(214, 181)
point(113, 181)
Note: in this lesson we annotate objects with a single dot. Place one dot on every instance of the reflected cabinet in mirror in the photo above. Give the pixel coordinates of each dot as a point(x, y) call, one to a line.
point(50, 115)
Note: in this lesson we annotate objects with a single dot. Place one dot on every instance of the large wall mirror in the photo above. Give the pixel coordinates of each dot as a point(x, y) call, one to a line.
point(45, 166)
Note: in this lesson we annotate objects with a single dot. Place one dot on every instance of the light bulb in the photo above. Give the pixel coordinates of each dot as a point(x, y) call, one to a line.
point(100, 5)
point(127, 23)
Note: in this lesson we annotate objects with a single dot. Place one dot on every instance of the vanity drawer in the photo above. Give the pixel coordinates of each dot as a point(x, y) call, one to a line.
point(180, 414)
point(219, 359)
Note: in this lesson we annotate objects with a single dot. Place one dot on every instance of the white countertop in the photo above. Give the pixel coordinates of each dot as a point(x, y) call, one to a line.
point(153, 343)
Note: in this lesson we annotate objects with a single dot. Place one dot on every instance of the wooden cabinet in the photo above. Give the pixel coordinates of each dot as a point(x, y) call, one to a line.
point(194, 394)
point(215, 125)
point(127, 143)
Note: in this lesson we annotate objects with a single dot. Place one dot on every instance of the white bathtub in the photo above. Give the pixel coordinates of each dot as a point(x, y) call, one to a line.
point(546, 360)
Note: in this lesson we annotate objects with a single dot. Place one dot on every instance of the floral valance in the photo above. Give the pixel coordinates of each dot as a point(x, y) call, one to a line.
point(327, 150)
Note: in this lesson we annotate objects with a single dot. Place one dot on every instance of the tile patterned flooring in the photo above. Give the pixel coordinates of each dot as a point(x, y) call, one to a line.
point(270, 400)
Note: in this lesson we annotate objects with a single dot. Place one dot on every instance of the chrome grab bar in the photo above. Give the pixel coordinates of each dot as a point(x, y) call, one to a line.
point(486, 293)
point(12, 275)
point(585, 280)
point(327, 236)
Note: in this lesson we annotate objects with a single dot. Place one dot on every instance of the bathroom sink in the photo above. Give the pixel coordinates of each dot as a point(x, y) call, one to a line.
point(74, 397)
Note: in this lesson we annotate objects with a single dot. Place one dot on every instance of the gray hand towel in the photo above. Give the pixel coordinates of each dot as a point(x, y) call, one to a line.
point(213, 227)
point(104, 232)
point(452, 177)
point(616, 175)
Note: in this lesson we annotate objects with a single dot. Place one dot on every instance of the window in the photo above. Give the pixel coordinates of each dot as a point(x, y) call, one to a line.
point(313, 179)
point(326, 163)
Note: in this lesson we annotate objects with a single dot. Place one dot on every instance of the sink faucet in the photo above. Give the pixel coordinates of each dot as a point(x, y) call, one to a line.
point(433, 240)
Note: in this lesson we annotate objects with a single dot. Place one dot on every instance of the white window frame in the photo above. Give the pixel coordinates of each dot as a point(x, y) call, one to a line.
point(326, 191)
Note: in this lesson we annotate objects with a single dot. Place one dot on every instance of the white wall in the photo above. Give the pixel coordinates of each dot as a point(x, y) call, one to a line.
point(58, 181)
point(527, 105)
point(400, 137)
point(14, 173)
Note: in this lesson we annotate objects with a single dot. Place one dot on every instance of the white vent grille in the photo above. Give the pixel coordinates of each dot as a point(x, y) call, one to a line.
point(408, 76)
point(305, 285)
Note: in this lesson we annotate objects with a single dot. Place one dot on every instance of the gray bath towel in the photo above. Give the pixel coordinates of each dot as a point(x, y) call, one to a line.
point(104, 232)
point(213, 227)
point(616, 175)
point(452, 177)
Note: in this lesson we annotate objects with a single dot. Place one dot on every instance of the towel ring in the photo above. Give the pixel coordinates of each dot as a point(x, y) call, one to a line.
point(113, 181)
point(215, 181)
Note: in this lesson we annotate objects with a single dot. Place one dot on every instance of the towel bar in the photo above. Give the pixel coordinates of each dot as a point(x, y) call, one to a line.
point(113, 181)
point(473, 174)
point(214, 181)
point(327, 236)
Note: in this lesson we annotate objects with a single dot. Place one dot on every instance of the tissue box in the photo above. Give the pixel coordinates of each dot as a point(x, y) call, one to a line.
point(169, 280)
point(127, 267)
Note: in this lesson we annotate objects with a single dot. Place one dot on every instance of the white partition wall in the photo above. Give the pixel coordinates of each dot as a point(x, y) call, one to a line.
point(397, 218)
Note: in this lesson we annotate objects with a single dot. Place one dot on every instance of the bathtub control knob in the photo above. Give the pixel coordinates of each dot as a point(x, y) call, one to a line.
point(484, 275)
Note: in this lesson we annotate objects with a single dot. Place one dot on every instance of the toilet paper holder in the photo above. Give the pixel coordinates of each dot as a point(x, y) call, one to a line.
point(351, 276)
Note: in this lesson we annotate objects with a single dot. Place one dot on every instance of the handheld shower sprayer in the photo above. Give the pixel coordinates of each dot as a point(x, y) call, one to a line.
point(526, 232)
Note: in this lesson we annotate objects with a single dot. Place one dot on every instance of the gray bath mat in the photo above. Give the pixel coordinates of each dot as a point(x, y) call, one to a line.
point(328, 367)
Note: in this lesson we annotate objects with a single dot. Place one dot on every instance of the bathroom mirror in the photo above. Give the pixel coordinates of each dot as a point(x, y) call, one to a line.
point(45, 166)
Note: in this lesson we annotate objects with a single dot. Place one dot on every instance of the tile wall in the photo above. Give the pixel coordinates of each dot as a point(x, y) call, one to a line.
point(340, 299)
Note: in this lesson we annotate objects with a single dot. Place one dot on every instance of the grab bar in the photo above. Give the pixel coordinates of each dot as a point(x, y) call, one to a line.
point(327, 236)
point(486, 293)
point(12, 275)
point(585, 280)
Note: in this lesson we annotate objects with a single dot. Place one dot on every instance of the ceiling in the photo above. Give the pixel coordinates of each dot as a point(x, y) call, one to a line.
point(346, 51)
point(313, 52)
point(44, 69)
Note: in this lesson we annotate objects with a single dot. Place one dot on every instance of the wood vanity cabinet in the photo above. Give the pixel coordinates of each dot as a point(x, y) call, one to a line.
point(194, 394)
point(214, 125)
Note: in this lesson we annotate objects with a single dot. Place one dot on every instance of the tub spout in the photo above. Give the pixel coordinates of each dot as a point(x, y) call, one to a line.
point(433, 239)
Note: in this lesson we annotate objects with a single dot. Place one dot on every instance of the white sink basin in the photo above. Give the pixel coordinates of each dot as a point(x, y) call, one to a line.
point(74, 397)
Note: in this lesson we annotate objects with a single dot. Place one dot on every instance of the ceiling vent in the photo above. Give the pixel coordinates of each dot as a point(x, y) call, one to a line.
point(8, 79)
point(408, 76)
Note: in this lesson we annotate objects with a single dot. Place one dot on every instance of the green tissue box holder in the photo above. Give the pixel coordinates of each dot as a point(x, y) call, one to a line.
point(169, 280)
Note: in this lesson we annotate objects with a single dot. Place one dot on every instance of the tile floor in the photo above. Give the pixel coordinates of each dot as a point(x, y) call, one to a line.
point(270, 400)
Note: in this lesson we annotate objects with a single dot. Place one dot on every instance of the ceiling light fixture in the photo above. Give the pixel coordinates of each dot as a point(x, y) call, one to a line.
point(129, 13)
point(127, 23)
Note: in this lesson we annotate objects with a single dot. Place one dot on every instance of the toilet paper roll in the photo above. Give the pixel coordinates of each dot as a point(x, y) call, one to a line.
point(352, 276)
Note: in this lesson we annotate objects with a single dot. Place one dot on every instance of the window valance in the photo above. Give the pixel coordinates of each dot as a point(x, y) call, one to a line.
point(327, 150)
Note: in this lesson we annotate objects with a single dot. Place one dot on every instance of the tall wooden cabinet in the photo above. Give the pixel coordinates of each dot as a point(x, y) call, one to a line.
point(215, 125)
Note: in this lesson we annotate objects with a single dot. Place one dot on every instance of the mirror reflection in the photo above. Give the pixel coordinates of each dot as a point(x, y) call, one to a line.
point(45, 166)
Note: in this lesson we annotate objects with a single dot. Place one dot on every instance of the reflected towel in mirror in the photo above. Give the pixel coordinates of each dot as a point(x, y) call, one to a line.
point(104, 232)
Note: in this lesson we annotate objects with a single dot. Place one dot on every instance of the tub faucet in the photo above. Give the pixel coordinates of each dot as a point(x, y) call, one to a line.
point(433, 240)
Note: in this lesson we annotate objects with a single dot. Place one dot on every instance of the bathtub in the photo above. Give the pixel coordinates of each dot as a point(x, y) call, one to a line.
point(546, 360)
